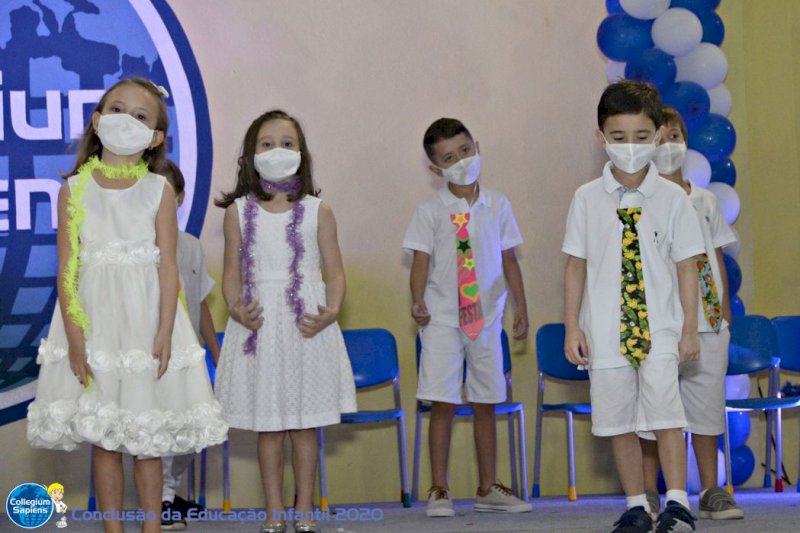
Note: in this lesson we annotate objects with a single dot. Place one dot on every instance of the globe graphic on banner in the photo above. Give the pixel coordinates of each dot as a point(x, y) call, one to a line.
point(29, 515)
point(57, 57)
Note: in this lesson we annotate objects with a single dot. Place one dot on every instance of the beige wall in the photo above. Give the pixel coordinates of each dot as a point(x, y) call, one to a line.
point(366, 77)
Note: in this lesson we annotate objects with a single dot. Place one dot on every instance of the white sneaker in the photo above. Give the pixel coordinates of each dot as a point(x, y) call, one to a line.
point(501, 500)
point(439, 503)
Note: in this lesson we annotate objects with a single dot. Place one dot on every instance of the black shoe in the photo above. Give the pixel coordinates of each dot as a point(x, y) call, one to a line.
point(675, 519)
point(171, 518)
point(184, 506)
point(634, 520)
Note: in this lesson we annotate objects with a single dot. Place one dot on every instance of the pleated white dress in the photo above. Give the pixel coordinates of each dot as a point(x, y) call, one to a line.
point(291, 382)
point(125, 409)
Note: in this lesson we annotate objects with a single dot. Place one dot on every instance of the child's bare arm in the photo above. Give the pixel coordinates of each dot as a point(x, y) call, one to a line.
point(208, 332)
point(419, 278)
point(167, 242)
point(513, 276)
point(575, 348)
point(726, 296)
point(335, 283)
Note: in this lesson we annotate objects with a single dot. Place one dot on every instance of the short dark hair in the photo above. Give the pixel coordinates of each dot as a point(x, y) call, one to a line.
point(670, 115)
point(628, 97)
point(174, 176)
point(443, 128)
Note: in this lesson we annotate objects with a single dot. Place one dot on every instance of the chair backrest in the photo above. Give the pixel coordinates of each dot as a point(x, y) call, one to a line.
point(212, 370)
point(753, 344)
point(373, 356)
point(787, 328)
point(506, 354)
point(550, 354)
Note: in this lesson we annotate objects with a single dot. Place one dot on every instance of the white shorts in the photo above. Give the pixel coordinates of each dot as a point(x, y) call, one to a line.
point(627, 400)
point(441, 365)
point(702, 385)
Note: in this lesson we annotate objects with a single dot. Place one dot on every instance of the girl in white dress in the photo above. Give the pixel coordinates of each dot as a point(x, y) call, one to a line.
point(120, 368)
point(283, 367)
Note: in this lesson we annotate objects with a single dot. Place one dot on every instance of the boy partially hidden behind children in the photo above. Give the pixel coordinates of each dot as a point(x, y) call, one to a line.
point(631, 301)
point(463, 239)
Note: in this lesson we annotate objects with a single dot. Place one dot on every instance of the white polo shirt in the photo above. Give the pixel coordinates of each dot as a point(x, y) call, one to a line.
point(716, 233)
point(668, 233)
point(492, 229)
point(196, 282)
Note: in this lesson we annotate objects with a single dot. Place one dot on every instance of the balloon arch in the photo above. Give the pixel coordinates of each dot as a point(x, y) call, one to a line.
point(675, 45)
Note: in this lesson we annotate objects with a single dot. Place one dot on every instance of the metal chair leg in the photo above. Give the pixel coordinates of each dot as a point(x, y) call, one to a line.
point(405, 495)
point(512, 456)
point(203, 475)
point(91, 505)
point(778, 452)
point(226, 476)
point(572, 494)
point(726, 445)
point(523, 455)
point(417, 446)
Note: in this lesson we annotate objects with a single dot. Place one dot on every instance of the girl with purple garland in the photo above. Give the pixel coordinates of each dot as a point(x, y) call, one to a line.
point(283, 366)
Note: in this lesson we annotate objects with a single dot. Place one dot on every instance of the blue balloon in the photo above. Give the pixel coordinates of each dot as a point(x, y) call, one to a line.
point(612, 6)
point(689, 99)
point(713, 27)
point(743, 462)
point(737, 306)
point(621, 36)
point(734, 273)
point(696, 6)
point(715, 138)
point(724, 172)
point(738, 429)
point(653, 66)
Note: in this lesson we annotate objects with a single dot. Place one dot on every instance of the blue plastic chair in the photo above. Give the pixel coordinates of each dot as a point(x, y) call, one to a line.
point(787, 329)
point(373, 357)
point(510, 408)
point(226, 467)
point(754, 345)
point(553, 365)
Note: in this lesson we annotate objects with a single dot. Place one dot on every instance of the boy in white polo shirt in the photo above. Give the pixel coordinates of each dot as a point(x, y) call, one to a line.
point(631, 300)
point(463, 239)
point(702, 382)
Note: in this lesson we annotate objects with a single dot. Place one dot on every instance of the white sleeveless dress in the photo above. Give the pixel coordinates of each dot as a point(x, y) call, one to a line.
point(125, 409)
point(291, 382)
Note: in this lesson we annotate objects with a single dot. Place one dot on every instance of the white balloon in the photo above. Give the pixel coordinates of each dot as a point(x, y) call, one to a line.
point(705, 65)
point(677, 31)
point(615, 71)
point(737, 387)
point(644, 9)
point(697, 168)
point(732, 249)
point(720, 100)
point(728, 200)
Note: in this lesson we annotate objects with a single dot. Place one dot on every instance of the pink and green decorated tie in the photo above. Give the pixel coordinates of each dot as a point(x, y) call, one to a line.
point(470, 312)
point(634, 328)
point(708, 293)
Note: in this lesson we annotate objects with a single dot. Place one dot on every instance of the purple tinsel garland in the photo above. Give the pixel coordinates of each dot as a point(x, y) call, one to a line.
point(293, 238)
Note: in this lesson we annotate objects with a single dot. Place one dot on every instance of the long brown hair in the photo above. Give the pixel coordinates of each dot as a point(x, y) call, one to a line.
point(247, 178)
point(90, 143)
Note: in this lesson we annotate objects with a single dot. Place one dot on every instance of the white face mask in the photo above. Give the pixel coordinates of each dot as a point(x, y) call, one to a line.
point(669, 157)
point(630, 157)
point(122, 134)
point(464, 172)
point(277, 164)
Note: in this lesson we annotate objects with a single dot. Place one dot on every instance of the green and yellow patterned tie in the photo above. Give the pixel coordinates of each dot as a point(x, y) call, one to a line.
point(634, 330)
point(708, 293)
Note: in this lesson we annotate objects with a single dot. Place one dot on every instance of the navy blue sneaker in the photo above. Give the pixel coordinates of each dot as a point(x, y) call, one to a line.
point(675, 519)
point(634, 520)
